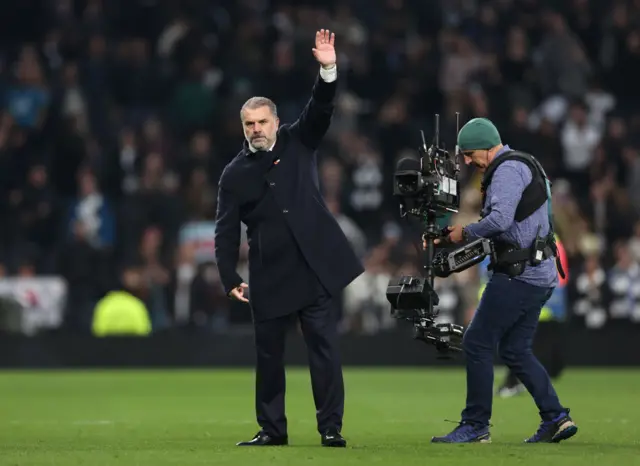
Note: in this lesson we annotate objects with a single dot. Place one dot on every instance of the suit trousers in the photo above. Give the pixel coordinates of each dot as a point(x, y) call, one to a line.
point(319, 324)
point(506, 318)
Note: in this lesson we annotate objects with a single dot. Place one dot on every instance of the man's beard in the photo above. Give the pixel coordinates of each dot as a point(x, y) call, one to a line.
point(259, 142)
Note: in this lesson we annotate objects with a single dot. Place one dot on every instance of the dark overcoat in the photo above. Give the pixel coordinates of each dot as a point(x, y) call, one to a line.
point(295, 243)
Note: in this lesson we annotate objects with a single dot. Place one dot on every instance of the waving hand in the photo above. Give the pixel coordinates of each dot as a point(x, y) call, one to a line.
point(324, 50)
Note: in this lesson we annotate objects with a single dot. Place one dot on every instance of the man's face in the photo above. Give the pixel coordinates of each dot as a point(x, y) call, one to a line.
point(260, 127)
point(478, 158)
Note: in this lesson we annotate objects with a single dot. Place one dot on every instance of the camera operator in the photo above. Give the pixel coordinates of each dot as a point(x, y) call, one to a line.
point(516, 217)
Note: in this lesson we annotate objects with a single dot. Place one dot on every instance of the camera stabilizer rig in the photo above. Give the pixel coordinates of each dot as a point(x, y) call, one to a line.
point(427, 189)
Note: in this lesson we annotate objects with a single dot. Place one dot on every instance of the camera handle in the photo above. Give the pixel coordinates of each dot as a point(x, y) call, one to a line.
point(431, 233)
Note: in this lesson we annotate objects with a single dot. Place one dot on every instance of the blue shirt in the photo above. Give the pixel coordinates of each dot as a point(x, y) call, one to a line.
point(25, 105)
point(503, 195)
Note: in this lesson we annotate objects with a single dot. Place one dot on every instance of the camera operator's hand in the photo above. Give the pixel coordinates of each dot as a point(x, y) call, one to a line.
point(455, 236)
point(444, 233)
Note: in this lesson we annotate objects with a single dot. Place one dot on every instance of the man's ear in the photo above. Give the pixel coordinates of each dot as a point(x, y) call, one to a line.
point(277, 122)
point(494, 150)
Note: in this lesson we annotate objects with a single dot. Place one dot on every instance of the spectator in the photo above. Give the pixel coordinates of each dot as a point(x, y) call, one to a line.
point(156, 277)
point(122, 312)
point(592, 293)
point(28, 99)
point(624, 282)
point(579, 140)
point(563, 65)
point(92, 213)
point(634, 243)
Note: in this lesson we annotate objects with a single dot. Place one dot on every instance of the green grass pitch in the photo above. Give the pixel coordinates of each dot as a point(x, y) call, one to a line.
point(189, 418)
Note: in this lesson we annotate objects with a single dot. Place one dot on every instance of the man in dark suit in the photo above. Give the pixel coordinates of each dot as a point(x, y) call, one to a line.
point(299, 259)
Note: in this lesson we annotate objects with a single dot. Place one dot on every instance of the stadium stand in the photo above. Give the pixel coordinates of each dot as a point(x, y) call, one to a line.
point(118, 116)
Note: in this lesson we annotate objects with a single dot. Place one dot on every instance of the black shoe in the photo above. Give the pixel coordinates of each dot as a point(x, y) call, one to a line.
point(332, 438)
point(263, 439)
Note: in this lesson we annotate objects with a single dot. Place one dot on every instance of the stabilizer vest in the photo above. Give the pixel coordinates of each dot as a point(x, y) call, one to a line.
point(509, 258)
point(534, 195)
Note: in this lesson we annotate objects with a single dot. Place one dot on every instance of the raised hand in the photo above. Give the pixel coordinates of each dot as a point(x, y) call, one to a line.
point(324, 50)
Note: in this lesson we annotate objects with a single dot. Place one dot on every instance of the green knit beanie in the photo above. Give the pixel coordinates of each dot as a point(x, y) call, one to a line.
point(478, 133)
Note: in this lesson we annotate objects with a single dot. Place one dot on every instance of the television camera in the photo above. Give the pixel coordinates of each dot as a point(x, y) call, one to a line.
point(427, 189)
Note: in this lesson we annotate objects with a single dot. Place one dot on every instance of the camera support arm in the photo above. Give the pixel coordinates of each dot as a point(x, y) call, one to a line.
point(446, 336)
point(427, 189)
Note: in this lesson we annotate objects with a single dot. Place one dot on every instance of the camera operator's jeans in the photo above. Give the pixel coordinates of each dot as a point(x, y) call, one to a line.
point(506, 318)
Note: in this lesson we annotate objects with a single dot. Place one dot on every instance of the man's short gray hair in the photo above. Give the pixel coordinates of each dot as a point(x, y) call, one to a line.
point(257, 102)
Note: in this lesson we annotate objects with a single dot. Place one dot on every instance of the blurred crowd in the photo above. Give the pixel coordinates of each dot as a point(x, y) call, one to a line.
point(117, 118)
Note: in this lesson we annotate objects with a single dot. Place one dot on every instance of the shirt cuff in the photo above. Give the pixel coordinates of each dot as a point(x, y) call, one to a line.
point(329, 74)
point(469, 231)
